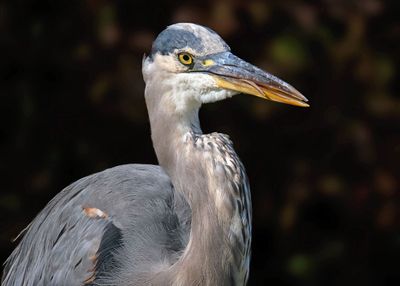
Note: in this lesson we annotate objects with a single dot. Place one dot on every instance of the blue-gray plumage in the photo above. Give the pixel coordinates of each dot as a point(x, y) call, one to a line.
point(62, 245)
point(186, 222)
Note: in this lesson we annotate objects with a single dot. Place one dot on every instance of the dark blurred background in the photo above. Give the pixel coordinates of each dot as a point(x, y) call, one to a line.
point(325, 180)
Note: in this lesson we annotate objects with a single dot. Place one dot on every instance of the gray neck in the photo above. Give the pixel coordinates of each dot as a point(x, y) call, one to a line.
point(206, 259)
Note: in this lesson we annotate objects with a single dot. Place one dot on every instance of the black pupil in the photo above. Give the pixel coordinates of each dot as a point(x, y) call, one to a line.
point(186, 58)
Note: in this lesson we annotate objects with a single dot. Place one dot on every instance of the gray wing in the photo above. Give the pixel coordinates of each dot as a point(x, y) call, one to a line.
point(122, 220)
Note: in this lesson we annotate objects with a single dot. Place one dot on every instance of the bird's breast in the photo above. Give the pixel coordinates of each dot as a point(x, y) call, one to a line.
point(229, 188)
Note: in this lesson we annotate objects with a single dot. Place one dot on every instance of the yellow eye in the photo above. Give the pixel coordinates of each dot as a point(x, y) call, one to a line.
point(185, 59)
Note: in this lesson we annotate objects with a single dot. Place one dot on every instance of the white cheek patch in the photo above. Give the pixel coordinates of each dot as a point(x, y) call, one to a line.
point(168, 63)
point(193, 89)
point(217, 94)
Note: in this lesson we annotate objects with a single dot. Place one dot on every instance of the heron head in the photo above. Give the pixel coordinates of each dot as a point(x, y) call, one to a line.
point(194, 65)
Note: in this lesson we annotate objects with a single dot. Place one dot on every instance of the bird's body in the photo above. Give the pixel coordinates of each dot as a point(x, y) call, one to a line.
point(69, 236)
point(138, 203)
point(186, 222)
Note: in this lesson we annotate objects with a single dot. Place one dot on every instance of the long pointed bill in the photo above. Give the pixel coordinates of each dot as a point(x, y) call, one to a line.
point(231, 72)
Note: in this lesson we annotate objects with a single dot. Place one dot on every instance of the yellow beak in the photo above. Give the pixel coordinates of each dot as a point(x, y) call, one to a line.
point(292, 97)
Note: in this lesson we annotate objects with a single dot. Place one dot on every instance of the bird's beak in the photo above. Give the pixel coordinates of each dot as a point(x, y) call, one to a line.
point(233, 73)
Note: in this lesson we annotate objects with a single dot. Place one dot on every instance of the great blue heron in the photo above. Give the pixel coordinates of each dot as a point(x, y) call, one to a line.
point(185, 222)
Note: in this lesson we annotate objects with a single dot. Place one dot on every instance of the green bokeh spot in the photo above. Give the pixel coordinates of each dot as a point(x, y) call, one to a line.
point(385, 69)
point(300, 266)
point(289, 52)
